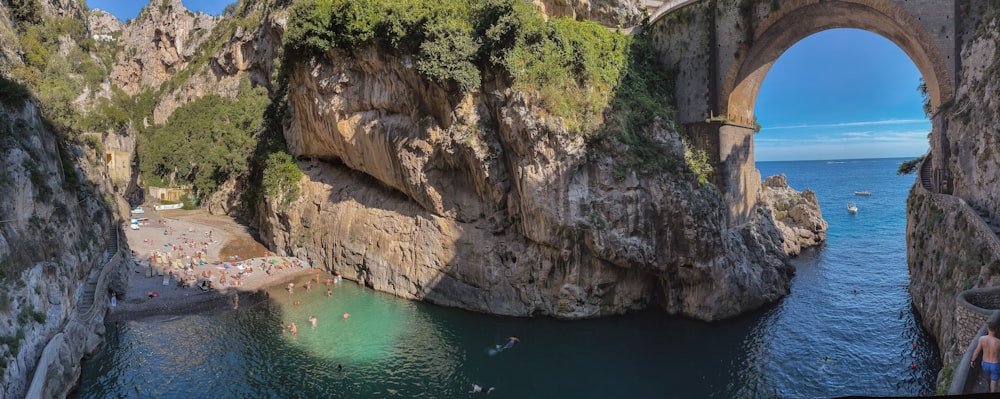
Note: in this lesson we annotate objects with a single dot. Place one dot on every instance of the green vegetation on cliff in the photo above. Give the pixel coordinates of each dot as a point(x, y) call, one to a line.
point(281, 178)
point(910, 166)
point(204, 142)
point(574, 66)
point(604, 86)
point(56, 73)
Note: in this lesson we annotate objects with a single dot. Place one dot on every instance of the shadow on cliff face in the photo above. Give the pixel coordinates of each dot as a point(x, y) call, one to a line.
point(487, 200)
point(354, 225)
point(377, 236)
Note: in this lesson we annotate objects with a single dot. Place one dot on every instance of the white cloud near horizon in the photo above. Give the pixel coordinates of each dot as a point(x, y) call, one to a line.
point(861, 144)
point(845, 137)
point(887, 122)
point(840, 150)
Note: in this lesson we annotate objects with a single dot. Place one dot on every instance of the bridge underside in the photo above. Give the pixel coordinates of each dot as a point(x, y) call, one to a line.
point(723, 53)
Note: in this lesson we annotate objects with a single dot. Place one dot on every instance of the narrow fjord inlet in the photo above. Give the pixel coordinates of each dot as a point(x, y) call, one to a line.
point(823, 340)
point(498, 198)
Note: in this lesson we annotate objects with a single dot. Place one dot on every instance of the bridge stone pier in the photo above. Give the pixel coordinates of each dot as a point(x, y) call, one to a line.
point(722, 50)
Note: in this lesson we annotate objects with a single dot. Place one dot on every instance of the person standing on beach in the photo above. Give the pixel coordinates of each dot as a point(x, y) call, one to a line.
point(989, 345)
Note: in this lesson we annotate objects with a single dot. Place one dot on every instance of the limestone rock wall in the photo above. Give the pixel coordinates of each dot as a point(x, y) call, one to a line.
point(796, 214)
point(950, 249)
point(159, 43)
point(968, 148)
point(100, 22)
point(52, 235)
point(478, 202)
point(951, 241)
point(611, 13)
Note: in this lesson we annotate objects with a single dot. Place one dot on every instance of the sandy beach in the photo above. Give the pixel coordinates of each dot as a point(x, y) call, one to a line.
point(195, 247)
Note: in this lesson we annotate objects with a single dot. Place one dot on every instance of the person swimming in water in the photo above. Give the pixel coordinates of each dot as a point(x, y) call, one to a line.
point(312, 319)
point(510, 342)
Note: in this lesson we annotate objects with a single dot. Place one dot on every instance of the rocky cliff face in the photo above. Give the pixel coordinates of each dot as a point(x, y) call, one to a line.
point(796, 214)
point(99, 22)
point(159, 43)
point(476, 201)
point(479, 202)
point(54, 227)
point(611, 13)
point(167, 39)
point(52, 236)
point(951, 241)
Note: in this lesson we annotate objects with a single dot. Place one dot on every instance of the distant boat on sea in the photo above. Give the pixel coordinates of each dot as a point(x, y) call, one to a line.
point(851, 208)
point(865, 193)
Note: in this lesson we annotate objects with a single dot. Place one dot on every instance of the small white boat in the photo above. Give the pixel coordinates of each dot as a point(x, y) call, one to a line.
point(865, 193)
point(851, 208)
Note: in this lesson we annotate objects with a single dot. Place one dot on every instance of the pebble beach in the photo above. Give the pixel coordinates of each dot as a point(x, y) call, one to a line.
point(195, 247)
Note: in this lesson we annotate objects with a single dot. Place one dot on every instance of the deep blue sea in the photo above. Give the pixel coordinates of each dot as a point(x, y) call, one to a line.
point(821, 341)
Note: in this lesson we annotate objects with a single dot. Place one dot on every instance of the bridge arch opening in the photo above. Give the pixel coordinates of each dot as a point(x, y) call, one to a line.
point(841, 94)
point(798, 19)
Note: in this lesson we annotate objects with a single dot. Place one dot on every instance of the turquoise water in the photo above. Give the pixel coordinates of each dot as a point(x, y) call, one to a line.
point(821, 341)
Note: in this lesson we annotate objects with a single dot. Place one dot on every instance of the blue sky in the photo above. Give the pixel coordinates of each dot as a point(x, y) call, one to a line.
point(841, 94)
point(128, 9)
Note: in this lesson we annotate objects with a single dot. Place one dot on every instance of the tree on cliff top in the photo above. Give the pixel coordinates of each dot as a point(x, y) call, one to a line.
point(204, 142)
point(596, 81)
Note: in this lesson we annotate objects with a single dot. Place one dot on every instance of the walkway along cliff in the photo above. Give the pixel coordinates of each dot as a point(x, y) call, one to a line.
point(952, 224)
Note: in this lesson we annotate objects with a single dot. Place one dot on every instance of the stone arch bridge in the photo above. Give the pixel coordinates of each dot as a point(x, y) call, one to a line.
point(723, 49)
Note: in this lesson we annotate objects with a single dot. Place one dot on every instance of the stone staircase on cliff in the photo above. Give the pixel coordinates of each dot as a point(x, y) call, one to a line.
point(925, 174)
point(87, 313)
point(90, 288)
